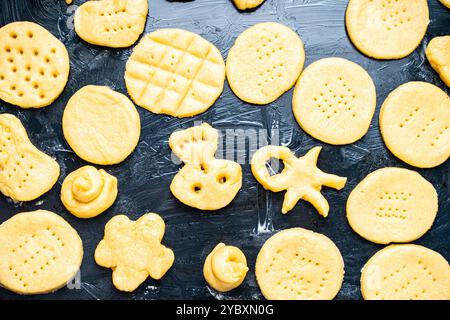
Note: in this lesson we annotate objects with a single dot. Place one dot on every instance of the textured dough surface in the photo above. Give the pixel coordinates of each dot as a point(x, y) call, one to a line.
point(247, 4)
point(392, 205)
point(102, 126)
point(414, 123)
point(175, 72)
point(438, 54)
point(111, 23)
point(87, 192)
point(26, 173)
point(264, 62)
point(387, 29)
point(406, 272)
point(334, 101)
point(34, 65)
point(133, 250)
point(298, 264)
point(40, 252)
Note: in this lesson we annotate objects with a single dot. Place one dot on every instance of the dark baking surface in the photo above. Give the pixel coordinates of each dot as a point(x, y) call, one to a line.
point(254, 214)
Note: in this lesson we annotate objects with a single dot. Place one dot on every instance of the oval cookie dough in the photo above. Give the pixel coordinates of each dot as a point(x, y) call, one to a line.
point(264, 62)
point(385, 29)
point(102, 126)
point(34, 65)
point(414, 123)
point(392, 205)
point(40, 252)
point(406, 272)
point(438, 54)
point(334, 101)
point(298, 264)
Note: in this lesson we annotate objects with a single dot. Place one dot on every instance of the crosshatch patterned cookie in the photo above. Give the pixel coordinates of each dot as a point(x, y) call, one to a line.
point(334, 101)
point(414, 123)
point(300, 177)
point(247, 4)
point(111, 23)
point(40, 252)
point(264, 62)
point(298, 264)
point(392, 205)
point(406, 272)
point(34, 65)
point(26, 173)
point(438, 54)
point(387, 29)
point(175, 72)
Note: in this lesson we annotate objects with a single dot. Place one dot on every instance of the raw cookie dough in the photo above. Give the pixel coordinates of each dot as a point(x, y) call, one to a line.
point(334, 101)
point(111, 23)
point(414, 123)
point(34, 65)
point(175, 72)
point(204, 182)
point(298, 264)
point(40, 252)
point(406, 272)
point(133, 250)
point(445, 3)
point(247, 4)
point(26, 173)
point(387, 29)
point(392, 205)
point(438, 54)
point(264, 62)
point(225, 268)
point(87, 192)
point(300, 177)
point(102, 126)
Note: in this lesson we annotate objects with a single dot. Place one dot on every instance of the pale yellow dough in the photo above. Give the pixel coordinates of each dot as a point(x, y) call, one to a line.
point(406, 272)
point(102, 126)
point(438, 54)
point(247, 4)
point(34, 65)
point(300, 177)
point(445, 3)
point(264, 62)
point(26, 173)
point(133, 250)
point(40, 252)
point(298, 264)
point(225, 268)
point(111, 23)
point(175, 72)
point(334, 101)
point(387, 29)
point(87, 192)
point(392, 205)
point(414, 123)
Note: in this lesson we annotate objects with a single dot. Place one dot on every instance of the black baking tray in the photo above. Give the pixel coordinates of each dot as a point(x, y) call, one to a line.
point(255, 214)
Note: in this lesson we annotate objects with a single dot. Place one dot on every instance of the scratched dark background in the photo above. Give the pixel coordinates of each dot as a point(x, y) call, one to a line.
point(254, 214)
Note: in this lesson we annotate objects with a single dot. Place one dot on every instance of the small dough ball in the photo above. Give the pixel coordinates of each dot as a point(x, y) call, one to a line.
point(438, 54)
point(247, 4)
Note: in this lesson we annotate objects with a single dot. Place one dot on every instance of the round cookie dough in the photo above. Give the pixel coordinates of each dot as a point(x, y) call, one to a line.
point(385, 29)
point(334, 101)
point(406, 272)
point(34, 65)
point(414, 123)
point(392, 205)
point(102, 126)
point(264, 62)
point(438, 54)
point(40, 252)
point(298, 264)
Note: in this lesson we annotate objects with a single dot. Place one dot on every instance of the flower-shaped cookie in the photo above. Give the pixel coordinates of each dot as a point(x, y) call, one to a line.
point(300, 177)
point(134, 251)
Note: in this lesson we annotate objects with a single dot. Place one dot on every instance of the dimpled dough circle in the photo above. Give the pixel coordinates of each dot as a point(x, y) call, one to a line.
point(298, 264)
point(102, 126)
point(34, 65)
point(387, 29)
point(40, 252)
point(414, 123)
point(264, 62)
point(406, 272)
point(392, 205)
point(334, 101)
